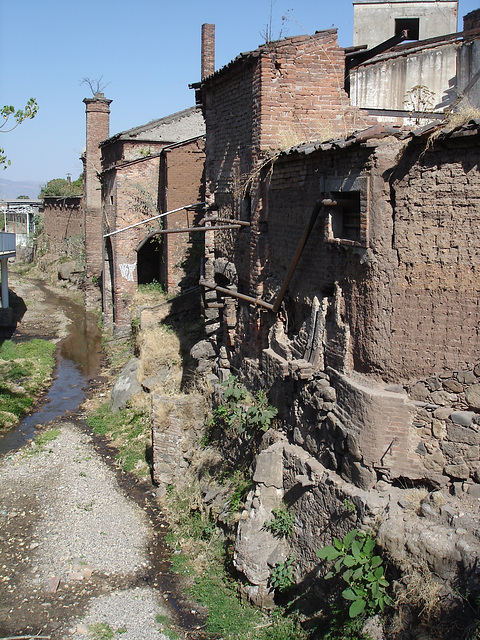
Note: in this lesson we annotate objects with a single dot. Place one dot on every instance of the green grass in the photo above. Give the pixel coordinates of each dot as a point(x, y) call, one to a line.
point(41, 441)
point(152, 287)
point(129, 430)
point(25, 370)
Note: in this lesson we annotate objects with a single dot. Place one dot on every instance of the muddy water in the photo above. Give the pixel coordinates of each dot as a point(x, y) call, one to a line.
point(78, 361)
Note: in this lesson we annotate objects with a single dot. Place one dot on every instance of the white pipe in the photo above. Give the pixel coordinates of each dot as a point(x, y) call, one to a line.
point(161, 215)
point(4, 274)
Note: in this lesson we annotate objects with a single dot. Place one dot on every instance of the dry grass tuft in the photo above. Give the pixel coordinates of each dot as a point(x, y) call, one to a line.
point(421, 592)
point(463, 113)
point(160, 347)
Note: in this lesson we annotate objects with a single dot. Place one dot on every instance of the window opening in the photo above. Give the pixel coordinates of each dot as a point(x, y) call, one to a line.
point(344, 220)
point(411, 25)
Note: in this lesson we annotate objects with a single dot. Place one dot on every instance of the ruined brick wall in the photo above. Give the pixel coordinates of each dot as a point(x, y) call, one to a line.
point(134, 189)
point(229, 122)
point(299, 89)
point(138, 190)
point(64, 224)
point(398, 304)
point(416, 278)
point(182, 185)
point(282, 94)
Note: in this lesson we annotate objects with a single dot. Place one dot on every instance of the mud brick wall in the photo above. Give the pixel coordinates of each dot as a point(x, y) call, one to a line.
point(64, 224)
point(181, 185)
point(437, 238)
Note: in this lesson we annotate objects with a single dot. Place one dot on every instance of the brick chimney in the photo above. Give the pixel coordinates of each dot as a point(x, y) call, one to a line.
point(208, 50)
point(98, 126)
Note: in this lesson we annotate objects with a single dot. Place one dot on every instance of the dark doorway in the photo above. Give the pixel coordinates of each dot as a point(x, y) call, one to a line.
point(149, 261)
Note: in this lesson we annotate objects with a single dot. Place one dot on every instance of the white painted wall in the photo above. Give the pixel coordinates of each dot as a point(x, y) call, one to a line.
point(385, 84)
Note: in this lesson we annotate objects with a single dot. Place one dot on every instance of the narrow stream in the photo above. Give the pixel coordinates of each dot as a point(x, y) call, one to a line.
point(78, 361)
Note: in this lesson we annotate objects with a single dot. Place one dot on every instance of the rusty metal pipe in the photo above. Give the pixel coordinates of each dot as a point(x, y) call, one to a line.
point(241, 223)
point(235, 294)
point(320, 204)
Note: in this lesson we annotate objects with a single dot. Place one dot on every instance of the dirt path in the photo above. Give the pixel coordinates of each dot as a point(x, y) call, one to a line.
point(79, 557)
point(74, 549)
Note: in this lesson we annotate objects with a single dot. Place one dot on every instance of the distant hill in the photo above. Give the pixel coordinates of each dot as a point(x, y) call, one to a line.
point(10, 189)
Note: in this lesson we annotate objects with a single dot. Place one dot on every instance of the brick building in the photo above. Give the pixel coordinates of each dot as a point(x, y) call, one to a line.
point(145, 171)
point(382, 301)
point(64, 224)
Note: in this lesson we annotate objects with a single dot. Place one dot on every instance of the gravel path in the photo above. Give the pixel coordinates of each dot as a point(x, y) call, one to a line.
point(74, 558)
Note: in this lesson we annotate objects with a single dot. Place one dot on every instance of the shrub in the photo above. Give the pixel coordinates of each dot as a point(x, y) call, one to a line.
point(282, 522)
point(361, 569)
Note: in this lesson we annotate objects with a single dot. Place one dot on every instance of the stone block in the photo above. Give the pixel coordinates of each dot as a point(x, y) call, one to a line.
point(126, 386)
point(463, 418)
point(459, 471)
point(472, 395)
point(467, 377)
point(269, 467)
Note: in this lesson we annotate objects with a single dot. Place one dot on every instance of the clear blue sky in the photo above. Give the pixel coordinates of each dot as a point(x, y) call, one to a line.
point(147, 50)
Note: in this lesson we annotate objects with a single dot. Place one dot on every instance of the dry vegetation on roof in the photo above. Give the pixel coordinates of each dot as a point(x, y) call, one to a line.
point(459, 115)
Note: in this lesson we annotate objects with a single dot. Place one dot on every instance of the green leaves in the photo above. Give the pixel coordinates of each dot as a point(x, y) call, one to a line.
point(282, 523)
point(363, 572)
point(19, 115)
point(243, 411)
point(281, 577)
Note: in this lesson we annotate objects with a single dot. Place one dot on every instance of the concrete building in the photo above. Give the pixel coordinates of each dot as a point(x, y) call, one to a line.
point(375, 21)
point(426, 77)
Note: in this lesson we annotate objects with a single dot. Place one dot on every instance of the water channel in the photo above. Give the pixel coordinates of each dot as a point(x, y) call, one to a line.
point(78, 361)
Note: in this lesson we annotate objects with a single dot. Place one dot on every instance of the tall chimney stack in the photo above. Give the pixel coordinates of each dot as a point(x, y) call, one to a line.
point(98, 119)
point(208, 50)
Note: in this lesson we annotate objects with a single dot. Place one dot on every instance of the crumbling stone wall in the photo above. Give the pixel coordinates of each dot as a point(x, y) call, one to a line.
point(364, 320)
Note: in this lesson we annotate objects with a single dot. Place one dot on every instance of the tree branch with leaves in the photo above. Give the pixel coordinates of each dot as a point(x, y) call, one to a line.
point(15, 117)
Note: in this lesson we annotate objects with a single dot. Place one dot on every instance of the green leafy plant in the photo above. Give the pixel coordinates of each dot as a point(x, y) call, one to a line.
point(242, 484)
point(349, 506)
point(282, 523)
point(361, 569)
point(243, 411)
point(281, 577)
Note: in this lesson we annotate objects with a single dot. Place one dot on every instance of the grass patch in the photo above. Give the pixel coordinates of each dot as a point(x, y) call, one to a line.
point(25, 370)
point(41, 441)
point(129, 430)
